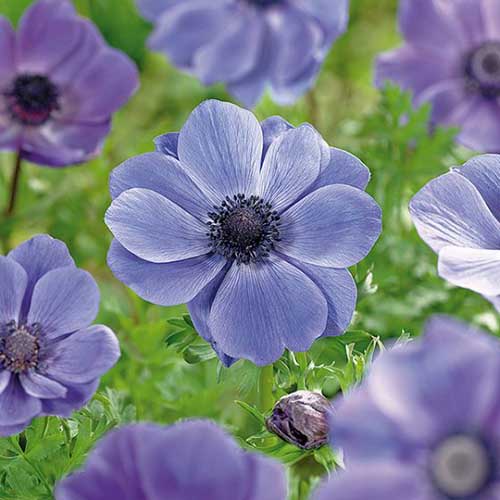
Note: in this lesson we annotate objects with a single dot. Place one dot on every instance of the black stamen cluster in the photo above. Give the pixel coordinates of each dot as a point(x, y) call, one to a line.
point(32, 99)
point(482, 70)
point(243, 229)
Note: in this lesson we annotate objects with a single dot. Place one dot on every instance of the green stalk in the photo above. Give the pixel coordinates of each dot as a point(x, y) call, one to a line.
point(265, 389)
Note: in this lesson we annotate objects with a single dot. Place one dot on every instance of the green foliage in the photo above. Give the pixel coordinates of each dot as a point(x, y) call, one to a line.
point(166, 371)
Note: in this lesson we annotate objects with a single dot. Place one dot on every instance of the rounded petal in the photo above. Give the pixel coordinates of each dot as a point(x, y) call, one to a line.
point(195, 442)
point(155, 228)
point(431, 25)
point(102, 87)
point(187, 26)
point(199, 310)
point(59, 144)
point(164, 284)
point(17, 407)
point(234, 53)
point(472, 268)
point(14, 280)
point(77, 396)
point(167, 144)
point(267, 480)
point(343, 168)
point(220, 146)
point(293, 58)
point(7, 49)
point(4, 379)
point(415, 69)
point(340, 291)
point(41, 387)
point(38, 256)
point(83, 356)
point(152, 9)
point(272, 128)
point(64, 300)
point(481, 130)
point(335, 226)
point(331, 16)
point(364, 432)
point(491, 14)
point(262, 308)
point(450, 211)
point(484, 172)
point(377, 482)
point(164, 175)
point(291, 165)
point(48, 32)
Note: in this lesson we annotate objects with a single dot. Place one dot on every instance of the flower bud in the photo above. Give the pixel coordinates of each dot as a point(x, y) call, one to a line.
point(301, 418)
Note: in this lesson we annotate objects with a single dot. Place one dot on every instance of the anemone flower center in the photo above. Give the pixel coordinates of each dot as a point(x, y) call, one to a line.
point(32, 99)
point(19, 347)
point(243, 229)
point(462, 467)
point(483, 69)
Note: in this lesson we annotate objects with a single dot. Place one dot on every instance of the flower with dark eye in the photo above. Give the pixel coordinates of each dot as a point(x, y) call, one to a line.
point(425, 423)
point(60, 84)
point(51, 358)
point(253, 225)
point(451, 59)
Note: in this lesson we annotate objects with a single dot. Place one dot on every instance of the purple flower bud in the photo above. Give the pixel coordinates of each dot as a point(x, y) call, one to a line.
point(301, 418)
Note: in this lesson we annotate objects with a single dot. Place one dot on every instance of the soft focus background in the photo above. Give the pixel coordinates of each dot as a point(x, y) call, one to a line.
point(166, 372)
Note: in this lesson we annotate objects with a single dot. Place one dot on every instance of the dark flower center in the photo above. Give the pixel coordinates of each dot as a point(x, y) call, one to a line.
point(462, 467)
point(483, 70)
point(19, 346)
point(243, 229)
point(32, 99)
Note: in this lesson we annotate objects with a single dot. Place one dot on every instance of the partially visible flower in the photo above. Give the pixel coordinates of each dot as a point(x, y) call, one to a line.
point(425, 424)
point(192, 460)
point(248, 44)
point(253, 225)
point(451, 59)
point(458, 216)
point(51, 359)
point(301, 418)
point(59, 85)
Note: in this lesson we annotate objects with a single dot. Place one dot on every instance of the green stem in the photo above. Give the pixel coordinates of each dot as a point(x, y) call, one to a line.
point(303, 362)
point(14, 185)
point(266, 384)
point(313, 108)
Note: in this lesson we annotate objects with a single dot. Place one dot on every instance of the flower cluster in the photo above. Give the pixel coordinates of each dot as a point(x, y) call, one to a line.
point(192, 460)
point(51, 359)
point(251, 224)
point(425, 423)
point(248, 44)
point(59, 85)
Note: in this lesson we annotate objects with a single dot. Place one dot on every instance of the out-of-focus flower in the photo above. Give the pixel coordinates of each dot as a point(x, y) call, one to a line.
point(51, 359)
point(452, 60)
point(425, 424)
point(301, 418)
point(252, 226)
point(192, 460)
point(248, 44)
point(59, 85)
point(458, 216)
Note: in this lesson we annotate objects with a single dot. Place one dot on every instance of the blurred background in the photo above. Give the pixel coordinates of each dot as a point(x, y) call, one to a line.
point(166, 372)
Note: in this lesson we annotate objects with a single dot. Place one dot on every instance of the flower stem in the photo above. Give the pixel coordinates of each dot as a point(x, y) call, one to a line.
point(303, 362)
point(313, 108)
point(266, 384)
point(9, 211)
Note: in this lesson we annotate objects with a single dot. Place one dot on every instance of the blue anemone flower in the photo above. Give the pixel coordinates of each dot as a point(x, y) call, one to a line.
point(248, 44)
point(252, 225)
